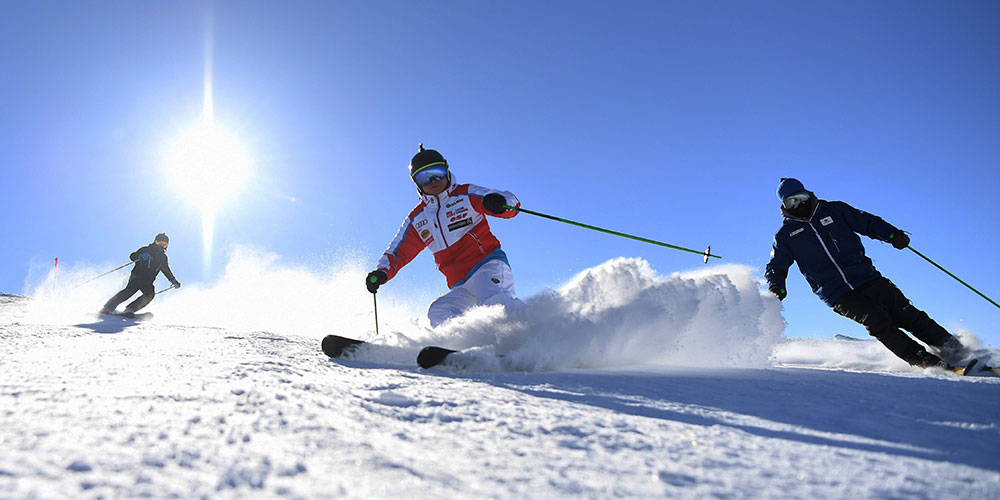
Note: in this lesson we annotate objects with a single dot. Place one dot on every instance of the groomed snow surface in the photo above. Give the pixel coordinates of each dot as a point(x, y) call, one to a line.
point(623, 383)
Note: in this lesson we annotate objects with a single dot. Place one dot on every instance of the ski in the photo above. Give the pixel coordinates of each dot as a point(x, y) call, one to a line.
point(975, 368)
point(336, 346)
point(431, 356)
point(130, 315)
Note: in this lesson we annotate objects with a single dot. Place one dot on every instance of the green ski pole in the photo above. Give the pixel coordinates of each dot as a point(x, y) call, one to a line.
point(953, 276)
point(375, 304)
point(706, 254)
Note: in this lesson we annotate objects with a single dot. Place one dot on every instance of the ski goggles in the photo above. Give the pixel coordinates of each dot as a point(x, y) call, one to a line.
point(795, 200)
point(163, 244)
point(430, 173)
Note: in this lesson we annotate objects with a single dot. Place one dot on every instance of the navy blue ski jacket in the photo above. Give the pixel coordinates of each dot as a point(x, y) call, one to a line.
point(827, 248)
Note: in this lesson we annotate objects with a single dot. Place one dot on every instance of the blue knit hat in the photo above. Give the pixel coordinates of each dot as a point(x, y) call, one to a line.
point(789, 186)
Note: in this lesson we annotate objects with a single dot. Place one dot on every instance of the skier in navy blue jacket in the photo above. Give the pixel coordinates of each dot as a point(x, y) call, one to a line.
point(822, 236)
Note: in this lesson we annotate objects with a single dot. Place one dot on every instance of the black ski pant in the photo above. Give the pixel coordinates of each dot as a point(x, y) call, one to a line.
point(147, 289)
point(883, 310)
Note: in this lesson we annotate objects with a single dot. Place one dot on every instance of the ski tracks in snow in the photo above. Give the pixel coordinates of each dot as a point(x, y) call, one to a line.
point(163, 411)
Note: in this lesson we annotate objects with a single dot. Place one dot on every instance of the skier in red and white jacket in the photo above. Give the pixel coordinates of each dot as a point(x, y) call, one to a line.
point(450, 219)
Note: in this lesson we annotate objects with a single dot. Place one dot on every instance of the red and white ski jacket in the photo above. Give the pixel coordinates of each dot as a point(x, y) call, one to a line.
point(453, 225)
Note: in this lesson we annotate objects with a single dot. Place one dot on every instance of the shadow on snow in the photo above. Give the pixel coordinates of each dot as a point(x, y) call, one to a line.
point(109, 324)
point(906, 416)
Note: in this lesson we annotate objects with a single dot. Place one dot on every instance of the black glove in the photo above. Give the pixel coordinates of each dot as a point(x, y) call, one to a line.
point(494, 202)
point(177, 284)
point(899, 240)
point(778, 291)
point(374, 279)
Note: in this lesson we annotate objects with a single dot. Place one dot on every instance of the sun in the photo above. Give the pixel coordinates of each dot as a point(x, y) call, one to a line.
point(207, 165)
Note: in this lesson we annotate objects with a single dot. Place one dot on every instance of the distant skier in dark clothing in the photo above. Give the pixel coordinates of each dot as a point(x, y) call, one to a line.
point(149, 261)
point(822, 236)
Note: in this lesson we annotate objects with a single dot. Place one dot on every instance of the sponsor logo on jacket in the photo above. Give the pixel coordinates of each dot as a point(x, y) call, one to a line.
point(460, 224)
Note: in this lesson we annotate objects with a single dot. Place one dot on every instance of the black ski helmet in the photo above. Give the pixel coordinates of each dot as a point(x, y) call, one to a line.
point(162, 237)
point(425, 157)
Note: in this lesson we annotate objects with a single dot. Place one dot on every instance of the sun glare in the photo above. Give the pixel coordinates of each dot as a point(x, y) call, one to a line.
point(207, 165)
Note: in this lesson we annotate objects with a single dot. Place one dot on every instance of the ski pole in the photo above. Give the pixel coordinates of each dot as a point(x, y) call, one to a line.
point(706, 254)
point(164, 290)
point(953, 276)
point(103, 274)
point(375, 303)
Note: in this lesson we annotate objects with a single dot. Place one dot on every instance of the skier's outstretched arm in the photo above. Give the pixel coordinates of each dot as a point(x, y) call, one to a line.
point(167, 273)
point(776, 271)
point(491, 202)
point(872, 225)
point(404, 248)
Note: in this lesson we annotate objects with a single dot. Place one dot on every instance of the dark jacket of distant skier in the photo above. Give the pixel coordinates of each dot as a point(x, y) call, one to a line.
point(149, 261)
point(826, 245)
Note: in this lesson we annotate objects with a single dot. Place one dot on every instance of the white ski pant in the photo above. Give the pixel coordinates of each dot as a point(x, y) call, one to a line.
point(492, 283)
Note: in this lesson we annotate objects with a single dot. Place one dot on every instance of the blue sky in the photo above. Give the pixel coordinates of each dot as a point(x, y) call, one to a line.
point(670, 120)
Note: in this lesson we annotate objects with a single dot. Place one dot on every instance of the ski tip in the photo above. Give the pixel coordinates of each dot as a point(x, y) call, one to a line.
point(976, 368)
point(432, 356)
point(972, 367)
point(336, 346)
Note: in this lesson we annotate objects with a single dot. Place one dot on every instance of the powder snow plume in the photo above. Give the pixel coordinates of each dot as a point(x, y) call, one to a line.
point(617, 314)
point(622, 313)
point(867, 354)
point(257, 291)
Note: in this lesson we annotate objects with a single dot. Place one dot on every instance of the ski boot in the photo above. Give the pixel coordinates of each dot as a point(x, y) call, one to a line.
point(924, 359)
point(953, 351)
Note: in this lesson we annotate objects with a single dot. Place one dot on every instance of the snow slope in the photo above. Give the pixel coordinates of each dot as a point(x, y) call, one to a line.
point(626, 384)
